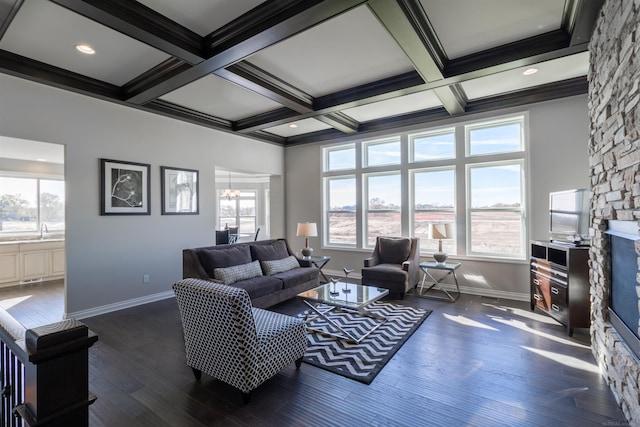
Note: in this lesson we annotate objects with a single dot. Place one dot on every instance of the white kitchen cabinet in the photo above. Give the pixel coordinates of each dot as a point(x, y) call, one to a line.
point(31, 260)
point(57, 262)
point(9, 263)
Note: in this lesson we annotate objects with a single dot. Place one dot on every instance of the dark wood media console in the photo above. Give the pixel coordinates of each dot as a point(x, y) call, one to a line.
point(560, 283)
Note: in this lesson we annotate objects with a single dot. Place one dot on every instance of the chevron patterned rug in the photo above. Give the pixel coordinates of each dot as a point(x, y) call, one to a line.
point(362, 362)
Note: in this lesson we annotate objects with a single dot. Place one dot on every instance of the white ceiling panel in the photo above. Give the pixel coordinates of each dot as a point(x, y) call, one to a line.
point(48, 33)
point(201, 16)
point(220, 98)
point(465, 26)
point(301, 127)
point(346, 51)
point(395, 106)
point(548, 72)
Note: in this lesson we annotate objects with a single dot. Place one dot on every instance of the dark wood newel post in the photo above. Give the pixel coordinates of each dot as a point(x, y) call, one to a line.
point(56, 387)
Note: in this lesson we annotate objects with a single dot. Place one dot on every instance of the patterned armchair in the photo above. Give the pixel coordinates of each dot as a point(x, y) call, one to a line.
point(232, 341)
point(394, 264)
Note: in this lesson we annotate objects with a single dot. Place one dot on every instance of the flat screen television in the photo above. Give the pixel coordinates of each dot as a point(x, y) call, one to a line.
point(569, 216)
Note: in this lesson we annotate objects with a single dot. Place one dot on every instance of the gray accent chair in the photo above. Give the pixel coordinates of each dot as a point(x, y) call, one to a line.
point(394, 264)
point(227, 338)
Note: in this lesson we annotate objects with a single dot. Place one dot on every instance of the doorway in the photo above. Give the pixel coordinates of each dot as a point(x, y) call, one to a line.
point(32, 230)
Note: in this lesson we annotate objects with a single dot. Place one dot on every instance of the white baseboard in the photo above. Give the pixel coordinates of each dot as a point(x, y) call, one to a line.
point(491, 293)
point(83, 314)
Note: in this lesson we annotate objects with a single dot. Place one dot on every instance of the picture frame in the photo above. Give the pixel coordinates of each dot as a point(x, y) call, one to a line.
point(124, 188)
point(180, 191)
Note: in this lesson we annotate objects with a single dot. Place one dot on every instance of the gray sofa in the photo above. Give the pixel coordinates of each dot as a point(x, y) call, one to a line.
point(267, 269)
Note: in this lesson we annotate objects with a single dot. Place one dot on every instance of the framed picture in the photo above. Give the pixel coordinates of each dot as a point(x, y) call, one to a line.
point(179, 191)
point(124, 188)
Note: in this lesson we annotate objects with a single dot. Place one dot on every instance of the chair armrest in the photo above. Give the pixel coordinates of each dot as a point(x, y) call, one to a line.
point(371, 261)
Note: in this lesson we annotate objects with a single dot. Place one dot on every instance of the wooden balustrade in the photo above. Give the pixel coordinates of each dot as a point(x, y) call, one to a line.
point(44, 373)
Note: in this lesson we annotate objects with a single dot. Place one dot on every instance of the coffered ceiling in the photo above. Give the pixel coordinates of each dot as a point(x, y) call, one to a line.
point(298, 71)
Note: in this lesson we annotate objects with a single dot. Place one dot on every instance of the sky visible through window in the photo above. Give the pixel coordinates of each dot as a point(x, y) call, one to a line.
point(434, 189)
point(434, 147)
point(497, 185)
point(494, 138)
point(386, 153)
point(493, 186)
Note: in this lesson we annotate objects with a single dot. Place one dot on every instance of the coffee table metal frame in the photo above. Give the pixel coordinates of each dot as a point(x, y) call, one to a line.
point(336, 298)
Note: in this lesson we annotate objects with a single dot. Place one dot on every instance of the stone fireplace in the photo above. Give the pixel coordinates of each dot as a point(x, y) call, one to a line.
point(614, 157)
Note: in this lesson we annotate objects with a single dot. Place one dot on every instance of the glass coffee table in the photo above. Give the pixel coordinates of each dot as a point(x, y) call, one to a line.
point(346, 297)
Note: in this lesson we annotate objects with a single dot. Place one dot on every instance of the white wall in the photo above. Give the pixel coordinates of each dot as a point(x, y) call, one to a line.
point(108, 255)
point(558, 159)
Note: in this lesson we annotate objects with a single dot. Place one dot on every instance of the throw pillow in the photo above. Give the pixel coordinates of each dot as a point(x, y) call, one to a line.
point(221, 258)
point(231, 275)
point(394, 250)
point(269, 252)
point(279, 265)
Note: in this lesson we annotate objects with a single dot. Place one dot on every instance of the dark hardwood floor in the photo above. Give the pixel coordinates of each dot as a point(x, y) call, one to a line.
point(34, 304)
point(477, 362)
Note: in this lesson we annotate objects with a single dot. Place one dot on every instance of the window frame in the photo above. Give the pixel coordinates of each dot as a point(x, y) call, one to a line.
point(522, 209)
point(414, 210)
point(365, 204)
point(387, 140)
point(327, 212)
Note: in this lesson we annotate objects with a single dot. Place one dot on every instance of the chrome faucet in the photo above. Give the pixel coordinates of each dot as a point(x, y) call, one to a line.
point(44, 230)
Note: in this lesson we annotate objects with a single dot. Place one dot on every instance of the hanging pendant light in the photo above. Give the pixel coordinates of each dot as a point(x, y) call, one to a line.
point(228, 192)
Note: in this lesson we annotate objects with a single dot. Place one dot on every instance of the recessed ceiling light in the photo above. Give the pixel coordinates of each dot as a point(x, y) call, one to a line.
point(85, 48)
point(530, 71)
point(293, 125)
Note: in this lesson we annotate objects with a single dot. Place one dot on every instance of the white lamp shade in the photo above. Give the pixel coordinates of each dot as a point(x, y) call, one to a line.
point(307, 229)
point(442, 230)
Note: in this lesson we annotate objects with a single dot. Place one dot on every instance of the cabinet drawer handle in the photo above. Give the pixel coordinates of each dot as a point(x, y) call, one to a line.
point(536, 281)
point(537, 297)
point(555, 307)
point(555, 290)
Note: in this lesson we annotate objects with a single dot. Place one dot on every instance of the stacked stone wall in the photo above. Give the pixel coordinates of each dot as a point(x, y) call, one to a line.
point(614, 156)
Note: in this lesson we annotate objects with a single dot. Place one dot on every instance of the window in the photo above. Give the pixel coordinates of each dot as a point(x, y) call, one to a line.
point(383, 195)
point(469, 174)
point(433, 202)
point(340, 158)
point(341, 215)
point(496, 215)
point(380, 153)
point(496, 137)
point(26, 204)
point(240, 212)
point(433, 146)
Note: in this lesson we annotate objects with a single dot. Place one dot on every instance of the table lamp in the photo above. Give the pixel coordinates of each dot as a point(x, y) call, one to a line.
point(440, 231)
point(306, 230)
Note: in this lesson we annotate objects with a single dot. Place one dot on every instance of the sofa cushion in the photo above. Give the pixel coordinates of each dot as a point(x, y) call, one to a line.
point(260, 286)
point(279, 265)
point(236, 273)
point(297, 276)
point(221, 258)
point(394, 250)
point(270, 252)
